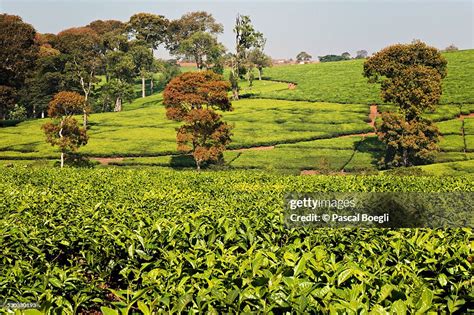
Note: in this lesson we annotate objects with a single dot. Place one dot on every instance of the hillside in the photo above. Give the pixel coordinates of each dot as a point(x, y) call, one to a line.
point(343, 82)
point(284, 132)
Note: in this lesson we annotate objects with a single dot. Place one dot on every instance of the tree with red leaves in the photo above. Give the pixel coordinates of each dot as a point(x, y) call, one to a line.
point(192, 97)
point(65, 132)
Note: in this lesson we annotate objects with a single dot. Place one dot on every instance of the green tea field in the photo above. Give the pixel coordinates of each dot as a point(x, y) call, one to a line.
point(324, 125)
point(161, 241)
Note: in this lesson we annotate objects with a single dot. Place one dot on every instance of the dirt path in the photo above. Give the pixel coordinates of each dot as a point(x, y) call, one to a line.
point(261, 148)
point(373, 114)
point(461, 117)
point(106, 161)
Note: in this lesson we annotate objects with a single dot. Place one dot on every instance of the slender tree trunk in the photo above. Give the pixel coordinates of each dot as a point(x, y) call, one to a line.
point(118, 105)
point(34, 110)
point(84, 118)
point(61, 136)
point(42, 114)
point(151, 85)
point(143, 86)
point(84, 110)
point(198, 165)
point(259, 74)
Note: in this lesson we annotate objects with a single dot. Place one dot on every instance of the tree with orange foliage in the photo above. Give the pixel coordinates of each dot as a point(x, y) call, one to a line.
point(64, 131)
point(192, 97)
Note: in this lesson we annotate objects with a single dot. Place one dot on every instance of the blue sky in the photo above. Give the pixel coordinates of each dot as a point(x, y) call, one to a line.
point(318, 27)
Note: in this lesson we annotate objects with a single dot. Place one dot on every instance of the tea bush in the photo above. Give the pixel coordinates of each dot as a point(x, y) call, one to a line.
point(154, 241)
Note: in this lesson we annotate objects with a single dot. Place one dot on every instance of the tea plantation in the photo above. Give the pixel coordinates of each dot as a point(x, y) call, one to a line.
point(83, 241)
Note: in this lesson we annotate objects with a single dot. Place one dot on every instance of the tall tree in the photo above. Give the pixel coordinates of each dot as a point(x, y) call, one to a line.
point(122, 69)
point(191, 97)
point(144, 62)
point(64, 131)
point(410, 76)
point(19, 50)
point(203, 48)
point(82, 44)
point(149, 28)
point(246, 38)
point(17, 54)
point(188, 25)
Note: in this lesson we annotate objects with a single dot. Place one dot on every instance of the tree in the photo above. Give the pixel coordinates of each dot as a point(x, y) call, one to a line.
point(409, 142)
point(361, 54)
point(149, 28)
point(82, 44)
point(121, 68)
point(346, 55)
point(114, 93)
point(260, 60)
point(188, 25)
point(195, 90)
point(205, 135)
point(18, 53)
point(246, 37)
point(8, 98)
point(64, 132)
point(330, 58)
point(410, 76)
point(19, 50)
point(48, 78)
point(203, 48)
point(191, 97)
point(451, 47)
point(144, 63)
point(303, 57)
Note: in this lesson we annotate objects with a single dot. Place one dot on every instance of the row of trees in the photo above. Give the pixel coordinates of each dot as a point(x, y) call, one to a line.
point(37, 66)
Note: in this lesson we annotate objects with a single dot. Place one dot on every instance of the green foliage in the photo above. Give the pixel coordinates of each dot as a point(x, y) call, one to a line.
point(332, 58)
point(160, 240)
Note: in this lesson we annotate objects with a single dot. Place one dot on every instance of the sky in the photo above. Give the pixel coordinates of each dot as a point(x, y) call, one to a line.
point(315, 26)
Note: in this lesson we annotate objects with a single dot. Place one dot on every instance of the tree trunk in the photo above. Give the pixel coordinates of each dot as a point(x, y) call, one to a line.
point(42, 114)
point(235, 93)
point(118, 105)
point(405, 157)
point(60, 136)
point(198, 165)
point(143, 87)
point(151, 85)
point(34, 110)
point(84, 118)
point(260, 74)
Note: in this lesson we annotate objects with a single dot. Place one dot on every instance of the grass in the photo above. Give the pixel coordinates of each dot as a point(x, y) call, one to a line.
point(343, 82)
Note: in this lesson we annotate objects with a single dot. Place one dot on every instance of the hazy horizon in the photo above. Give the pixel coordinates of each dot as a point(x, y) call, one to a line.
point(317, 27)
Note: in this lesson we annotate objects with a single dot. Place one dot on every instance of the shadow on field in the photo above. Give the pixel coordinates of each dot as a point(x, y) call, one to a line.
point(180, 161)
